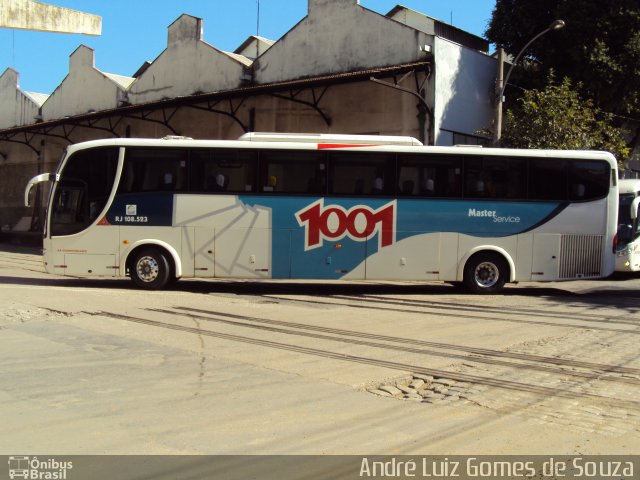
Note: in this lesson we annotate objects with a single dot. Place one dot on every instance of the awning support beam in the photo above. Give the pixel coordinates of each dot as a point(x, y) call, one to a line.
point(427, 133)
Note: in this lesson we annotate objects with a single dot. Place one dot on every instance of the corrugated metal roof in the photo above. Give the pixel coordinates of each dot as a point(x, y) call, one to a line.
point(240, 58)
point(37, 98)
point(121, 80)
point(251, 39)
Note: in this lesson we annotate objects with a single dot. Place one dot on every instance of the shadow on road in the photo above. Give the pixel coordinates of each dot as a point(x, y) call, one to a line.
point(607, 295)
point(621, 290)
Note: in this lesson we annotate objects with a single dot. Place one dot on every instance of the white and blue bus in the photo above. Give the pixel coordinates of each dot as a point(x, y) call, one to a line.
point(628, 254)
point(298, 206)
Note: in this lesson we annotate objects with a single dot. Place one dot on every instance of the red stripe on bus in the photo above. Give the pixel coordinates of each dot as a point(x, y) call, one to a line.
point(322, 146)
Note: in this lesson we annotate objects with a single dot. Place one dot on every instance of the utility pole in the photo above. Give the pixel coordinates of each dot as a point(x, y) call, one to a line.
point(497, 130)
point(555, 25)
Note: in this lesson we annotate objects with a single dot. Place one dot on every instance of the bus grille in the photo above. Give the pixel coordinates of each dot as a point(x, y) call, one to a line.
point(581, 256)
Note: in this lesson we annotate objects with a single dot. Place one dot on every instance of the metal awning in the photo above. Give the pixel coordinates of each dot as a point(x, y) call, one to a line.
point(288, 90)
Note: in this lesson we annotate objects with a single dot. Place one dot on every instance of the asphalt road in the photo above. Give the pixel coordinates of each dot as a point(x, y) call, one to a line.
point(239, 367)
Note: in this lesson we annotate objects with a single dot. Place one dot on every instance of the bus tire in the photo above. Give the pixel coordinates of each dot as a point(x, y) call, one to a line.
point(150, 268)
point(486, 272)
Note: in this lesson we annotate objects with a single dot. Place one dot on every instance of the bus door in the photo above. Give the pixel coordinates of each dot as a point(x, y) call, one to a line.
point(85, 244)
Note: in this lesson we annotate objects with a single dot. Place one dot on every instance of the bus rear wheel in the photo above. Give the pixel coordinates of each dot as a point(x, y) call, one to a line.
point(150, 269)
point(485, 272)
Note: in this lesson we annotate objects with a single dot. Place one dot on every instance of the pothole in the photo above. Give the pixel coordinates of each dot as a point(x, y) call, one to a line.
point(427, 389)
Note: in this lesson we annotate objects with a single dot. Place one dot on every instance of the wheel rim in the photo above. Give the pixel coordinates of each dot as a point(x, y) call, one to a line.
point(486, 274)
point(147, 269)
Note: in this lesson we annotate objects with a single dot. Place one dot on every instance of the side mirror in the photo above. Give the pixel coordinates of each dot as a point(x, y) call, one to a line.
point(43, 177)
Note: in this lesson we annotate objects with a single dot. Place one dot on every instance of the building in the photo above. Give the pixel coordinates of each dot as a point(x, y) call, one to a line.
point(342, 69)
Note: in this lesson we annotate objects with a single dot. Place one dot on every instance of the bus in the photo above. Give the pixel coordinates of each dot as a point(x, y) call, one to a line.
point(628, 252)
point(305, 206)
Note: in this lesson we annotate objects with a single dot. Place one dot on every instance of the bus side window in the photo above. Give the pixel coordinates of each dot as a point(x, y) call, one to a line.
point(429, 187)
point(498, 177)
point(217, 183)
point(516, 182)
point(355, 173)
point(218, 170)
point(407, 187)
point(244, 177)
point(318, 182)
point(292, 172)
point(154, 169)
point(126, 182)
point(590, 180)
point(272, 183)
point(547, 179)
point(378, 186)
point(475, 179)
point(167, 181)
point(429, 175)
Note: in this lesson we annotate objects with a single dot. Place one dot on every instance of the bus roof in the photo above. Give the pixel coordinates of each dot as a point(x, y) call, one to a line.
point(372, 143)
point(329, 138)
point(629, 185)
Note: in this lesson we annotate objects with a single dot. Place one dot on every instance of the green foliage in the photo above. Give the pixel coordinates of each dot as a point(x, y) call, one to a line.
point(557, 118)
point(599, 49)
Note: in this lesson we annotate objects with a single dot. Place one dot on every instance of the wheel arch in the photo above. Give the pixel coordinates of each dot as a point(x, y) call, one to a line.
point(134, 247)
point(487, 248)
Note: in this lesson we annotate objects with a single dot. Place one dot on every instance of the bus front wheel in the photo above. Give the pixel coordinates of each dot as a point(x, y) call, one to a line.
point(486, 272)
point(150, 269)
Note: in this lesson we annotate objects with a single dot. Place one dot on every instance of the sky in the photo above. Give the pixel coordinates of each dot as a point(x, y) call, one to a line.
point(135, 31)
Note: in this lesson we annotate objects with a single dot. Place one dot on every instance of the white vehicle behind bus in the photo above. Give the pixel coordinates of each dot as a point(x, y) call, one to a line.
point(628, 253)
point(305, 206)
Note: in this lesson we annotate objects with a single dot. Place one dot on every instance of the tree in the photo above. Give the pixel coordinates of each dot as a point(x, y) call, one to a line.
point(558, 118)
point(599, 50)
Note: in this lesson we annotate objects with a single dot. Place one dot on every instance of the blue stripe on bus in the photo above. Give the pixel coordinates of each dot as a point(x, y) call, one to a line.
point(479, 218)
point(332, 259)
point(556, 211)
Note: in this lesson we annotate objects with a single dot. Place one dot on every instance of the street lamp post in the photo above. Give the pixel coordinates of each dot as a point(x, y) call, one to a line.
point(502, 84)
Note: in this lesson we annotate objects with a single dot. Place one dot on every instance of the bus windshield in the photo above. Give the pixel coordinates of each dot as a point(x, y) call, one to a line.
point(626, 225)
point(81, 194)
